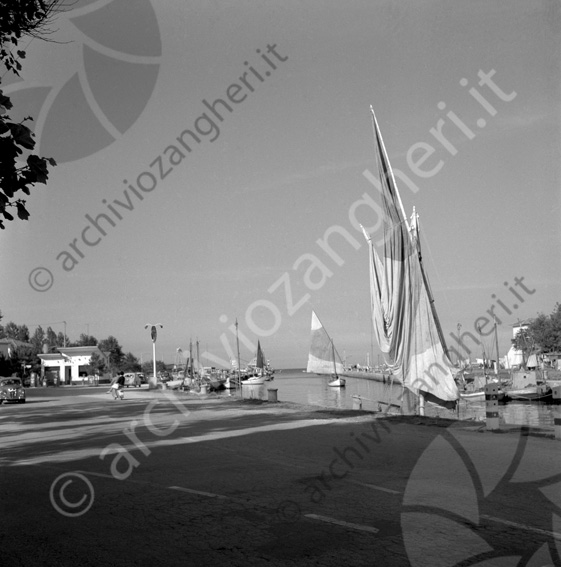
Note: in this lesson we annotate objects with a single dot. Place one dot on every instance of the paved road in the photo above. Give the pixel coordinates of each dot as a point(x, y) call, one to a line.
point(158, 479)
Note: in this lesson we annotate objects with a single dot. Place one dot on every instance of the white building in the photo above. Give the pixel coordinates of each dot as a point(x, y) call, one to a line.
point(515, 358)
point(69, 363)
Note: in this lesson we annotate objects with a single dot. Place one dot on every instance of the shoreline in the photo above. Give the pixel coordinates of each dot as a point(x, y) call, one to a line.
point(288, 409)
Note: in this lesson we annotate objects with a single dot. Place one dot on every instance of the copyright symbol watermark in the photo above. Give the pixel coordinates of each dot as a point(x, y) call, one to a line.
point(41, 279)
point(289, 511)
point(81, 497)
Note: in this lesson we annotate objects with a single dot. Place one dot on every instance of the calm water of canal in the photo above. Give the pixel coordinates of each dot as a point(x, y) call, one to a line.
point(300, 387)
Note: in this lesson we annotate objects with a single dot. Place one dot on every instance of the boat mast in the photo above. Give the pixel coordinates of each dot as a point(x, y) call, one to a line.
point(191, 358)
point(496, 346)
point(198, 361)
point(333, 355)
point(238, 347)
point(484, 356)
point(415, 227)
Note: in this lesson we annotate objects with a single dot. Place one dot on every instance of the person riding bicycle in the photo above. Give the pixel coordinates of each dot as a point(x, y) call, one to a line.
point(118, 385)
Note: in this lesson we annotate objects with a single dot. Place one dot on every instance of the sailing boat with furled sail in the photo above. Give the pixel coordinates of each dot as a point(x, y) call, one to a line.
point(404, 317)
point(323, 358)
point(259, 369)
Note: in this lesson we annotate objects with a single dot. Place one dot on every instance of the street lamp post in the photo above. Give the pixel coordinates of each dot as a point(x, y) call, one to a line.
point(152, 383)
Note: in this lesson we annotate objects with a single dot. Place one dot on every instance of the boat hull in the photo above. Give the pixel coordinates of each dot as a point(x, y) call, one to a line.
point(534, 394)
point(254, 381)
point(479, 396)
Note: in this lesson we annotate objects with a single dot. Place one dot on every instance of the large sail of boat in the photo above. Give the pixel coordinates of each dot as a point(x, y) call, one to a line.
point(323, 358)
point(405, 322)
point(260, 359)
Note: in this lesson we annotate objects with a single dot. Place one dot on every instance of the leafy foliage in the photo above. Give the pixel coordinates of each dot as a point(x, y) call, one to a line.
point(97, 363)
point(26, 356)
point(19, 18)
point(148, 367)
point(86, 340)
point(112, 346)
point(130, 363)
point(52, 340)
point(543, 333)
point(23, 360)
point(17, 332)
point(19, 168)
point(38, 339)
point(7, 366)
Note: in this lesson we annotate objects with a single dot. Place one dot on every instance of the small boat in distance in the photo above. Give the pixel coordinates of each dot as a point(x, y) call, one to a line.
point(323, 358)
point(337, 382)
point(260, 370)
point(253, 381)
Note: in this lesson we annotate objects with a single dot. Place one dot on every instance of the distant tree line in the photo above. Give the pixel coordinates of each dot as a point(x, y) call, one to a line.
point(25, 358)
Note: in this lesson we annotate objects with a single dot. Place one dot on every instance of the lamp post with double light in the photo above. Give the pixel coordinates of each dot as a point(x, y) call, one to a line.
point(152, 382)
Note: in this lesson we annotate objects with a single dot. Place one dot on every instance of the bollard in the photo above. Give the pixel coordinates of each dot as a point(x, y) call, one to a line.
point(492, 406)
point(556, 392)
point(203, 389)
point(357, 403)
point(272, 394)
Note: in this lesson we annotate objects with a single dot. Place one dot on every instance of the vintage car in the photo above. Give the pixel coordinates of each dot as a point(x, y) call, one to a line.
point(164, 376)
point(11, 390)
point(133, 379)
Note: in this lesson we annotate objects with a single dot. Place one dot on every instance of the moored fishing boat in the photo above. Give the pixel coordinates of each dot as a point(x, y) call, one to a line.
point(479, 396)
point(254, 380)
point(259, 369)
point(216, 380)
point(539, 393)
point(529, 386)
point(474, 387)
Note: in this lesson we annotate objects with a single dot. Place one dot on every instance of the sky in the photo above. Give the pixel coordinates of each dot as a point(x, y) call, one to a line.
point(203, 151)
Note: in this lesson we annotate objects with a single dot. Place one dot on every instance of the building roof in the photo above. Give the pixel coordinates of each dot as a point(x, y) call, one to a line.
point(78, 351)
point(49, 356)
point(70, 352)
point(7, 345)
point(14, 342)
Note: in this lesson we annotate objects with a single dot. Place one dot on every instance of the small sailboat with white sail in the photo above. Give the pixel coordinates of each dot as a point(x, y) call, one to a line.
point(323, 358)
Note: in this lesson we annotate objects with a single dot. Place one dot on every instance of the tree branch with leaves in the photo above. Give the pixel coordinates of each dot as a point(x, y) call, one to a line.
point(543, 334)
point(20, 169)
